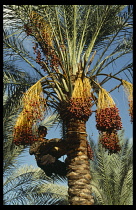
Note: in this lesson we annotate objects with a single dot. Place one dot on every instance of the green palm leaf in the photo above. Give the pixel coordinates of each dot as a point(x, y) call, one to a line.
point(112, 176)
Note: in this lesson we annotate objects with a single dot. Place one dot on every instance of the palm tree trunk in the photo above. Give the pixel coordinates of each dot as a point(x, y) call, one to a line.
point(78, 164)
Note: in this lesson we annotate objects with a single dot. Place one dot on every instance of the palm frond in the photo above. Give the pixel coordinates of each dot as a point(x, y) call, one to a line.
point(30, 186)
point(84, 26)
point(13, 45)
point(10, 151)
point(49, 121)
point(80, 29)
point(112, 176)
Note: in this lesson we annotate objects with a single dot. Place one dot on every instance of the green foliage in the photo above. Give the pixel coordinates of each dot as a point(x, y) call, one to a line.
point(30, 186)
point(23, 185)
point(112, 176)
point(11, 107)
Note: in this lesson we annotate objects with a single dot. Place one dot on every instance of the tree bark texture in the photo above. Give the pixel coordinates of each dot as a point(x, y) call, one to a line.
point(78, 165)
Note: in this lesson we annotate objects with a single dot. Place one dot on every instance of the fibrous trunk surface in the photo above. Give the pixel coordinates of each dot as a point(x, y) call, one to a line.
point(78, 164)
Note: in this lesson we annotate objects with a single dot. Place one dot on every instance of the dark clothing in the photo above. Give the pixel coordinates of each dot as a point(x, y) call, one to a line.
point(47, 157)
point(51, 165)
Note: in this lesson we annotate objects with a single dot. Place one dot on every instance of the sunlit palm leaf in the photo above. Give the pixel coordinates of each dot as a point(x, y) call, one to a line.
point(30, 186)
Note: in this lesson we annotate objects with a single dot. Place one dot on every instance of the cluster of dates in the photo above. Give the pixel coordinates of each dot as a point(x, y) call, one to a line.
point(23, 133)
point(28, 30)
point(76, 108)
point(80, 109)
point(89, 152)
point(108, 123)
point(108, 119)
point(46, 43)
point(110, 141)
point(26, 137)
point(50, 54)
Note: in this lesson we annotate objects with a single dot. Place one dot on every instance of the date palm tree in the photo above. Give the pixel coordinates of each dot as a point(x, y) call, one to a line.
point(73, 44)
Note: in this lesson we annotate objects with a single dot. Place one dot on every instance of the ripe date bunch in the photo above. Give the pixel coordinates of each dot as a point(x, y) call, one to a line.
point(89, 152)
point(76, 108)
point(26, 136)
point(108, 119)
point(80, 109)
point(23, 131)
point(51, 60)
point(110, 141)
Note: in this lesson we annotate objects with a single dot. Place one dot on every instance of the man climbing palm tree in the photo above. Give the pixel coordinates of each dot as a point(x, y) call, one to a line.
point(47, 153)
